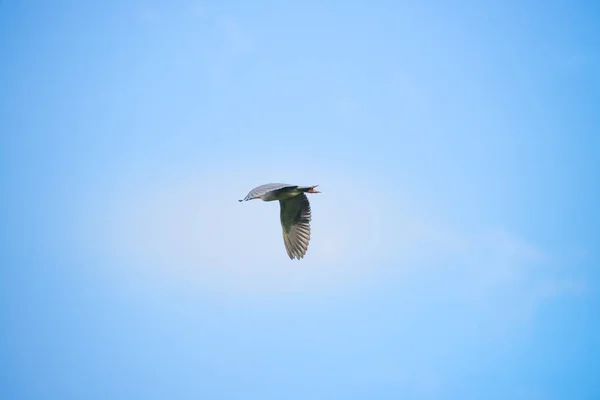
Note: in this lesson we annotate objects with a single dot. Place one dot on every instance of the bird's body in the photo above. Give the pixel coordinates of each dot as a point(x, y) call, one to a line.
point(294, 213)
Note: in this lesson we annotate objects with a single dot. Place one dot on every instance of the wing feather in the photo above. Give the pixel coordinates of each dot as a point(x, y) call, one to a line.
point(295, 223)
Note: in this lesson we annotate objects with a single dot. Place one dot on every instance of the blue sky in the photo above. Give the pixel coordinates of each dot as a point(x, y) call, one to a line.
point(454, 250)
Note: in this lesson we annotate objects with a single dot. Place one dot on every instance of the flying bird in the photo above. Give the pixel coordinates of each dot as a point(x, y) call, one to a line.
point(294, 213)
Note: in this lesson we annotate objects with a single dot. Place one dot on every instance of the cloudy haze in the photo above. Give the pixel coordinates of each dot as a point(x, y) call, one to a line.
point(454, 245)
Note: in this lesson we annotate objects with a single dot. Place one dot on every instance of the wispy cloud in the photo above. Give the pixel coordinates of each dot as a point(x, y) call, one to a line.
point(183, 229)
point(192, 231)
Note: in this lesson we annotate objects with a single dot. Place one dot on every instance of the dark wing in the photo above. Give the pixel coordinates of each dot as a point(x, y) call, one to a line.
point(295, 222)
point(262, 189)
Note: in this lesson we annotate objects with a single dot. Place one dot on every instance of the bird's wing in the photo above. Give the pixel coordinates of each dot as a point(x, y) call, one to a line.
point(295, 222)
point(262, 189)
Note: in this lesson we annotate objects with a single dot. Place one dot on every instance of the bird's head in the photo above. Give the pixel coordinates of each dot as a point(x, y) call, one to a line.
point(313, 190)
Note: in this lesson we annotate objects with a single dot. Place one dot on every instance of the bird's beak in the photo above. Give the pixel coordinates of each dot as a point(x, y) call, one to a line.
point(312, 189)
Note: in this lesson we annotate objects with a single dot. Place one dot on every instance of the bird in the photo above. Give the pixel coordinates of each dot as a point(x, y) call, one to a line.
point(295, 213)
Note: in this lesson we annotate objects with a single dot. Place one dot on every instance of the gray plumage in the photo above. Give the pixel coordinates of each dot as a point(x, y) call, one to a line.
point(261, 190)
point(295, 213)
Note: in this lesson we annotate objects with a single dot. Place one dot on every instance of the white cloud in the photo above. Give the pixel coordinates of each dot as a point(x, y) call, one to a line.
point(195, 232)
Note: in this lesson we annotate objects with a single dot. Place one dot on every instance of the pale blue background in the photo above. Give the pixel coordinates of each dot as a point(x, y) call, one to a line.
point(454, 252)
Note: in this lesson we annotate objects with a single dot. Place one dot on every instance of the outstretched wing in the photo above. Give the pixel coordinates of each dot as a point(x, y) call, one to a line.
point(262, 189)
point(295, 222)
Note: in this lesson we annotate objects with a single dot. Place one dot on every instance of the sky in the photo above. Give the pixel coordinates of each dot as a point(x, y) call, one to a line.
point(454, 250)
